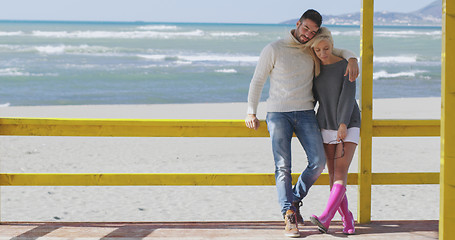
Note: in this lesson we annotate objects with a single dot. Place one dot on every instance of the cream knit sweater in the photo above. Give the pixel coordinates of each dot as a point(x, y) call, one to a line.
point(290, 67)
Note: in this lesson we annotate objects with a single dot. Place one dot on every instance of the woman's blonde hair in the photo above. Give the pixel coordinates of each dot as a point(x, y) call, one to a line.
point(324, 34)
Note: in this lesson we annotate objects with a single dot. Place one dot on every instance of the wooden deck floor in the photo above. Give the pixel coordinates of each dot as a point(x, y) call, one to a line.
point(210, 230)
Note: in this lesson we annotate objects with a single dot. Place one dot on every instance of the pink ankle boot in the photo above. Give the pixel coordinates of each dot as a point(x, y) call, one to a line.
point(336, 196)
point(346, 216)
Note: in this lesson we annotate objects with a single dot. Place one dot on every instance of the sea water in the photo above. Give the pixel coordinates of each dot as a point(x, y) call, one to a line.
point(72, 63)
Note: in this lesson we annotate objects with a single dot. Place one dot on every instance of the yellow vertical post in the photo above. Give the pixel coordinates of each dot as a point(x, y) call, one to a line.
point(447, 176)
point(366, 102)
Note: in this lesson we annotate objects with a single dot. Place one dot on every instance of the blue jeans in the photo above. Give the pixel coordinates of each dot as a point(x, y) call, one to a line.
point(281, 126)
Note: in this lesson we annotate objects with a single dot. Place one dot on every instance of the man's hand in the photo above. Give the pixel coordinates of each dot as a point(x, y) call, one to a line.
point(252, 122)
point(352, 69)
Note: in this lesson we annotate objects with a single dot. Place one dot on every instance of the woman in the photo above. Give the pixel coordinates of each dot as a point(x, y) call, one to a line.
point(339, 119)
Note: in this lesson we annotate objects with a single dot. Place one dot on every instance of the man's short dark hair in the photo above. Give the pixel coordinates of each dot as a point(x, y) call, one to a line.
point(312, 15)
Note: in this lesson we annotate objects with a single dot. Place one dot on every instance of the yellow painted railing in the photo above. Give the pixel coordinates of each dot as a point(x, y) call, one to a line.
point(186, 128)
point(183, 128)
point(192, 179)
point(189, 128)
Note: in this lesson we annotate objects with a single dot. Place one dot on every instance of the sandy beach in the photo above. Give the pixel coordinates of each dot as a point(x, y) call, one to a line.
point(199, 155)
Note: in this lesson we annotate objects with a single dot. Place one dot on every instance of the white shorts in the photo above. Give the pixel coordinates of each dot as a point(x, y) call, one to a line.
point(330, 136)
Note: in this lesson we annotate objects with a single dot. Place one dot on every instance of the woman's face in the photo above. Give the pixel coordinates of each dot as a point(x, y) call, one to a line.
point(323, 50)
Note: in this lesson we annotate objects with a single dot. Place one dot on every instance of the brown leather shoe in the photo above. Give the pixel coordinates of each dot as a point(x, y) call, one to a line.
point(297, 206)
point(291, 229)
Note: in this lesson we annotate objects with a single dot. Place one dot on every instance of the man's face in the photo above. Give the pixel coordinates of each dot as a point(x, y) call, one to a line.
point(305, 30)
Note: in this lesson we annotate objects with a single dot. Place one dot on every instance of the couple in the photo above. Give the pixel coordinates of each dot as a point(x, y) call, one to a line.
point(304, 68)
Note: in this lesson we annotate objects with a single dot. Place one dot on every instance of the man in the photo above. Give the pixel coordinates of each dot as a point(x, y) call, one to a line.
point(290, 105)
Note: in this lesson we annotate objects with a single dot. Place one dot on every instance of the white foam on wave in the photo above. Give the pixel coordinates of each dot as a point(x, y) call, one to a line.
point(233, 34)
point(231, 70)
point(155, 57)
point(16, 72)
point(50, 49)
point(219, 58)
point(407, 34)
point(384, 74)
point(395, 59)
point(188, 59)
point(149, 66)
point(58, 49)
point(9, 34)
point(8, 47)
point(79, 49)
point(346, 33)
point(178, 62)
point(167, 64)
point(12, 72)
point(158, 27)
point(5, 104)
point(123, 34)
point(391, 34)
point(160, 58)
point(159, 32)
point(79, 66)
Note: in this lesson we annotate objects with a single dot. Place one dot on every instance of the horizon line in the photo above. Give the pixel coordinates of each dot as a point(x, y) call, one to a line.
point(164, 22)
point(133, 21)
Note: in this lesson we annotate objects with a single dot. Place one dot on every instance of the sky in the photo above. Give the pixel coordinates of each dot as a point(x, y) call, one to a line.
point(213, 11)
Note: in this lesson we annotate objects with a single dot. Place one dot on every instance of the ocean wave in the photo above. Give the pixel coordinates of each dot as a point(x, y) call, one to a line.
point(12, 72)
point(79, 66)
point(77, 49)
point(172, 64)
point(57, 49)
point(384, 74)
point(163, 32)
point(226, 70)
point(16, 72)
point(406, 34)
point(153, 32)
point(123, 34)
point(233, 34)
point(153, 57)
point(8, 47)
point(199, 58)
point(219, 58)
point(161, 57)
point(5, 104)
point(395, 59)
point(178, 62)
point(346, 33)
point(8, 34)
point(391, 34)
point(50, 49)
point(158, 27)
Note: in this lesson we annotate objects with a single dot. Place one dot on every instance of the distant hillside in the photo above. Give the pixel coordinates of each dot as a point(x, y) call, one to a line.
point(427, 16)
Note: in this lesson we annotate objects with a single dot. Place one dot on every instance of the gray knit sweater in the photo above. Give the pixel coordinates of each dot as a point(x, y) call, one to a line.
point(336, 97)
point(291, 76)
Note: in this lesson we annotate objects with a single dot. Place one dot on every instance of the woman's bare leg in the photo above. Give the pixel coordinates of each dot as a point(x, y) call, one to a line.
point(341, 165)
